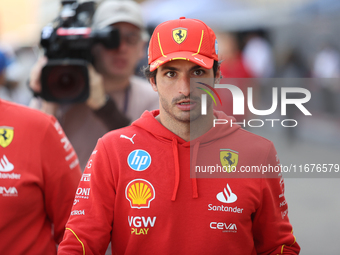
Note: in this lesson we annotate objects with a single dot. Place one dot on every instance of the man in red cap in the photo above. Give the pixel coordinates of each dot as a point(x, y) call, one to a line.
point(142, 191)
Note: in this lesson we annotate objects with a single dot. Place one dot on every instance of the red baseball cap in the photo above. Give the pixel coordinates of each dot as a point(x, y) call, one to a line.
point(188, 39)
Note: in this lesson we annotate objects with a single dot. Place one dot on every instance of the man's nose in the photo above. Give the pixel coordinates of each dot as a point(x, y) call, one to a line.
point(123, 45)
point(184, 85)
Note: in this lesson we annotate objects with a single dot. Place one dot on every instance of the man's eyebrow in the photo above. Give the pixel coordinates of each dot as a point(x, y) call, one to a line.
point(171, 68)
point(195, 67)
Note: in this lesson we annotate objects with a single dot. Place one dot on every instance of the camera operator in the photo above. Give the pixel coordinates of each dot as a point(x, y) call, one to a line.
point(117, 97)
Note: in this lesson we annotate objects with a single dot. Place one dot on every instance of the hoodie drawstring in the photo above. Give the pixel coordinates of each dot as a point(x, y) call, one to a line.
point(193, 164)
point(177, 172)
point(175, 152)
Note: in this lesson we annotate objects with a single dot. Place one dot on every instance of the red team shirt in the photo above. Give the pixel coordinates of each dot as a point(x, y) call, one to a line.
point(137, 192)
point(39, 174)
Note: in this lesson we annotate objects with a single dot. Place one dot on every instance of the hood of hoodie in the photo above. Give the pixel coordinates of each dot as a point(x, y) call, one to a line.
point(153, 126)
point(150, 124)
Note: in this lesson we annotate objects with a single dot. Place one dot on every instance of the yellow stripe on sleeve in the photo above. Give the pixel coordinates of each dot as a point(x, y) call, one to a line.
point(289, 245)
point(77, 239)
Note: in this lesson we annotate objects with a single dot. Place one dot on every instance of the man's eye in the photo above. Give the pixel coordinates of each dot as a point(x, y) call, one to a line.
point(198, 72)
point(170, 74)
point(131, 39)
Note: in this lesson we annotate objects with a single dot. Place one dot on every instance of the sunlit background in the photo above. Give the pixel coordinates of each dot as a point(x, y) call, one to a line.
point(257, 39)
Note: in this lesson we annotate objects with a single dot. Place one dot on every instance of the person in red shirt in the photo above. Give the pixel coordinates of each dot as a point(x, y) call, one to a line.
point(234, 71)
point(145, 187)
point(39, 175)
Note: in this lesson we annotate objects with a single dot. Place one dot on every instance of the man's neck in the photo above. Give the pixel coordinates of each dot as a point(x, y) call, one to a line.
point(114, 84)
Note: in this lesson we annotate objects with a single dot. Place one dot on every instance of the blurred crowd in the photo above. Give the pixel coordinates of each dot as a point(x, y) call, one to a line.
point(243, 54)
point(248, 53)
point(15, 65)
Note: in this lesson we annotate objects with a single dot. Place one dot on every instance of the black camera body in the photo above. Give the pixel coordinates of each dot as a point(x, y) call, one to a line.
point(68, 43)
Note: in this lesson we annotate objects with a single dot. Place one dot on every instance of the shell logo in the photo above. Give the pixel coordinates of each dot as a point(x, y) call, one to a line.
point(140, 193)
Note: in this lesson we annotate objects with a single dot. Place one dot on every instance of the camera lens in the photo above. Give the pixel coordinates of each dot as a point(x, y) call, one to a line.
point(65, 83)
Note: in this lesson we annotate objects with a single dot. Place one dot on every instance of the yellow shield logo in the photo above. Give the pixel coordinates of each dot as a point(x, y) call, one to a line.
point(140, 193)
point(6, 136)
point(179, 34)
point(229, 159)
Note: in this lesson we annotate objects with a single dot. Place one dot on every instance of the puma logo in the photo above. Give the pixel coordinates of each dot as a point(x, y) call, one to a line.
point(201, 60)
point(124, 136)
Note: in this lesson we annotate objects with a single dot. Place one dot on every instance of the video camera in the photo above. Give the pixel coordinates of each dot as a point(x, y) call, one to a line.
point(68, 42)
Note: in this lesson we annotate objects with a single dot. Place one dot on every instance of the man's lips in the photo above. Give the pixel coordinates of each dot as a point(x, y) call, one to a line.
point(120, 62)
point(186, 105)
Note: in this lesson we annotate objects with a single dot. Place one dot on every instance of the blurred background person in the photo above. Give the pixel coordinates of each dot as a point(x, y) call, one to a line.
point(292, 65)
point(292, 69)
point(230, 55)
point(327, 67)
point(117, 96)
point(3, 63)
point(39, 176)
point(12, 87)
point(233, 70)
point(258, 58)
point(258, 55)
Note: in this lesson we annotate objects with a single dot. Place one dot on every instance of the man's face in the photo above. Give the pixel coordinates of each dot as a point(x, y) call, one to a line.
point(178, 100)
point(121, 62)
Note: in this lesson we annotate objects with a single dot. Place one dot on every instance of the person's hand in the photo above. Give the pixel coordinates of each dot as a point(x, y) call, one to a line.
point(97, 98)
point(35, 76)
point(35, 85)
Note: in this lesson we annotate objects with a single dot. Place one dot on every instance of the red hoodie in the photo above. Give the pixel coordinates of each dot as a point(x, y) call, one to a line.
point(39, 174)
point(137, 193)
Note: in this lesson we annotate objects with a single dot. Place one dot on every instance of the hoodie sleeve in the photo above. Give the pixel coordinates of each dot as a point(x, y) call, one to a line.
point(272, 231)
point(89, 226)
point(61, 176)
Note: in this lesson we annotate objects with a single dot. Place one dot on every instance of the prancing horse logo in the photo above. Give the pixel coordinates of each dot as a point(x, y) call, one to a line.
point(6, 136)
point(229, 159)
point(179, 34)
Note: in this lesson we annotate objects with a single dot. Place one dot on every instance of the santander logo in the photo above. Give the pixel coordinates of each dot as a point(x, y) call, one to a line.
point(5, 165)
point(226, 196)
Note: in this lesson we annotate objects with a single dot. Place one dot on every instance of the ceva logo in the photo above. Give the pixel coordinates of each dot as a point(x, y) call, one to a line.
point(139, 160)
point(224, 226)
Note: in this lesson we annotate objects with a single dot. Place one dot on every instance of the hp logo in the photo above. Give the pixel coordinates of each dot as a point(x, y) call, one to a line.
point(139, 160)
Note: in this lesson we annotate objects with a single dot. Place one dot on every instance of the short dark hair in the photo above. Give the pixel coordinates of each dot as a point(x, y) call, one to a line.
point(148, 74)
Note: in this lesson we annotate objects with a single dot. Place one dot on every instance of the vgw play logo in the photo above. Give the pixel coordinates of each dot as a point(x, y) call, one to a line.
point(238, 104)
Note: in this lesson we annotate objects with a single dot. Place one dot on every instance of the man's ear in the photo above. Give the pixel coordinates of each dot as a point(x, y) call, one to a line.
point(152, 81)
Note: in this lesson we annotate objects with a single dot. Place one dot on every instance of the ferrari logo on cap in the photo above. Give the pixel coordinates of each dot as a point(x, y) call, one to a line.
point(6, 136)
point(179, 34)
point(229, 159)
